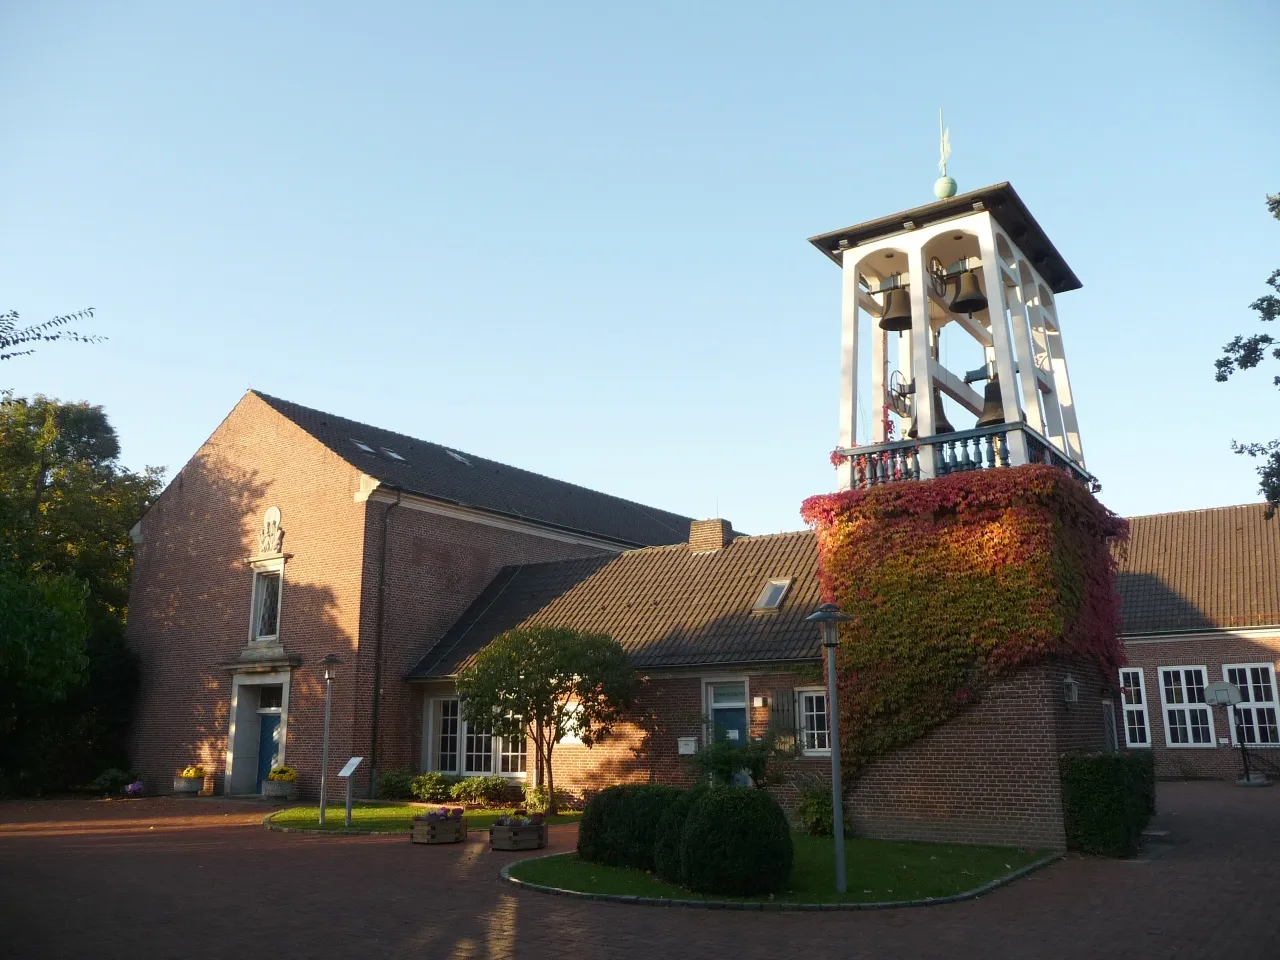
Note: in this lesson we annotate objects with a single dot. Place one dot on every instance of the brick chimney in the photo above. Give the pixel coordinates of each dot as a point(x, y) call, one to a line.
point(708, 536)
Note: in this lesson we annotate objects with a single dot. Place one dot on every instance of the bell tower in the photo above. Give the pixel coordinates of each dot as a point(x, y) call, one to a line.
point(955, 294)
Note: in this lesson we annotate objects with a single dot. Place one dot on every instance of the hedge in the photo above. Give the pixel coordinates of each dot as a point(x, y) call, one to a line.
point(667, 862)
point(619, 826)
point(1107, 801)
point(736, 842)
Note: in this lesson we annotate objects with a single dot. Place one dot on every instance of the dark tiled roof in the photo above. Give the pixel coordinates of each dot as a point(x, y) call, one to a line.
point(434, 471)
point(667, 606)
point(1202, 570)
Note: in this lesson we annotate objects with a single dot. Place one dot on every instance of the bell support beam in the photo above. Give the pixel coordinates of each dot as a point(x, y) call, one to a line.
point(848, 364)
point(925, 415)
point(1062, 387)
point(1000, 345)
point(906, 364)
point(1054, 431)
point(972, 327)
point(1026, 360)
point(955, 388)
point(879, 364)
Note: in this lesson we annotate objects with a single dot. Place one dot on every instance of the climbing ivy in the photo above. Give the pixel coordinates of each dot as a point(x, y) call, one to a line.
point(954, 582)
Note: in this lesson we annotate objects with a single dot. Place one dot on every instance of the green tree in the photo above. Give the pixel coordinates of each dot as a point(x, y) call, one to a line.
point(1245, 353)
point(66, 507)
point(12, 335)
point(43, 632)
point(547, 683)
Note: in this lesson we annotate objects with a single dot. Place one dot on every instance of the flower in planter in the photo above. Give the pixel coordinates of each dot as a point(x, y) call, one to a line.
point(194, 772)
point(134, 789)
point(283, 774)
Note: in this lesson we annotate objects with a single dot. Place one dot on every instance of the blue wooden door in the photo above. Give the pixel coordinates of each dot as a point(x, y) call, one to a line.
point(268, 746)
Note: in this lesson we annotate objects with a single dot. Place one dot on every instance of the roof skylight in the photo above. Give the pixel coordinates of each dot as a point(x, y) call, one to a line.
point(364, 447)
point(459, 457)
point(392, 454)
point(772, 595)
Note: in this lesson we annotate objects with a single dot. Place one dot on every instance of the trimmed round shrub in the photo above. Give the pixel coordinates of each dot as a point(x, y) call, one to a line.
point(666, 844)
point(620, 823)
point(736, 842)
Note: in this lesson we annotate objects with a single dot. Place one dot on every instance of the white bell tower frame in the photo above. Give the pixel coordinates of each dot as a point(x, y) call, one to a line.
point(991, 233)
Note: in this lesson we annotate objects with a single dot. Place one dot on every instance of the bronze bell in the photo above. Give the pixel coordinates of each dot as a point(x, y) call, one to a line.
point(968, 298)
point(992, 407)
point(897, 311)
point(940, 422)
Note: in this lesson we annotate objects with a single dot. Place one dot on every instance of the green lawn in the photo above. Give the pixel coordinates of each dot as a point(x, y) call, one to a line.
point(387, 817)
point(877, 870)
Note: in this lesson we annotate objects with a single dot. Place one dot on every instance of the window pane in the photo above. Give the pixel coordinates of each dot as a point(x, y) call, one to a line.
point(267, 614)
point(1173, 686)
point(1200, 726)
point(1267, 729)
point(1137, 726)
point(479, 750)
point(1195, 685)
point(1178, 727)
point(514, 756)
point(813, 720)
point(447, 737)
point(271, 697)
point(729, 694)
point(1129, 680)
point(1262, 685)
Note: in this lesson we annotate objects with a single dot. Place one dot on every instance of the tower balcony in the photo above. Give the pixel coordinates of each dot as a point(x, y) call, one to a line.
point(981, 448)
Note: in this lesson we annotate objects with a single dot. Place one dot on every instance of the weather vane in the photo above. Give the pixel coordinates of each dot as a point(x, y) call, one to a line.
point(944, 186)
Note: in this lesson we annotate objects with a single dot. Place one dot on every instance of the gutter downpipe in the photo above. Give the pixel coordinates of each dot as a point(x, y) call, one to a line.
point(377, 648)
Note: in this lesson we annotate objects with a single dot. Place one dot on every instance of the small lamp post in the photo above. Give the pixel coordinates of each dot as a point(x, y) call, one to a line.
point(330, 674)
point(829, 619)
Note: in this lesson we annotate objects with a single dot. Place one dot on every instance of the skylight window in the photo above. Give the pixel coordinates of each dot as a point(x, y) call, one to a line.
point(392, 454)
point(459, 457)
point(364, 447)
point(772, 595)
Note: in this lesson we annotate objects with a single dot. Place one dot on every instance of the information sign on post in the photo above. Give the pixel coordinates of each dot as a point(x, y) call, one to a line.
point(345, 773)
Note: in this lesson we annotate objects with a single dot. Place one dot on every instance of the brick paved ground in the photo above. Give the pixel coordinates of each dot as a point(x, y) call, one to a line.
point(200, 878)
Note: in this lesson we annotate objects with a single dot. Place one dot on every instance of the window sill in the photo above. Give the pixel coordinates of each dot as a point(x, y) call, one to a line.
point(815, 753)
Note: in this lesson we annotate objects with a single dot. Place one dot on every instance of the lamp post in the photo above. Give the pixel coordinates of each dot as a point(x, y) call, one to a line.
point(829, 619)
point(330, 674)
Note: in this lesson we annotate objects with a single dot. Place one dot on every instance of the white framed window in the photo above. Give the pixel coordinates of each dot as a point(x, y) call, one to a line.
point(1133, 693)
point(268, 584)
point(1188, 720)
point(458, 747)
point(571, 712)
point(813, 723)
point(1254, 719)
point(727, 710)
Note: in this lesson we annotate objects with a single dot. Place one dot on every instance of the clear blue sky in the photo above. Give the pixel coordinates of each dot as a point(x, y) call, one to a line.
point(572, 237)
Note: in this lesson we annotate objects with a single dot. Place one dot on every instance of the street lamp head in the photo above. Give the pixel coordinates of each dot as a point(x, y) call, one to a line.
point(828, 617)
point(330, 662)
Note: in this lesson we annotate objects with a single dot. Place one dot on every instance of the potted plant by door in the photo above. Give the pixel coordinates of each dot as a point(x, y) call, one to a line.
point(439, 826)
point(519, 831)
point(281, 783)
point(189, 781)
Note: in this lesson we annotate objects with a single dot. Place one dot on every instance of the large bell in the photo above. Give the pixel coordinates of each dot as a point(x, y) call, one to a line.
point(940, 422)
point(968, 298)
point(992, 407)
point(897, 311)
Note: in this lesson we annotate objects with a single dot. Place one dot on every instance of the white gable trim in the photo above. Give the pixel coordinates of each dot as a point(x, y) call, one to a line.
point(1186, 636)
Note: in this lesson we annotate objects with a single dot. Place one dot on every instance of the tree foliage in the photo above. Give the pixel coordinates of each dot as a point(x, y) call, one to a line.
point(66, 507)
point(1247, 352)
point(13, 336)
point(548, 683)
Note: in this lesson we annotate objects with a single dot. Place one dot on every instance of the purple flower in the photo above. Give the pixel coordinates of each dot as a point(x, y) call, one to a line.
point(134, 789)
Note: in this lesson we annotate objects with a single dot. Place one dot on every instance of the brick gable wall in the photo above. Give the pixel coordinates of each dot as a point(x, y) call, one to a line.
point(190, 595)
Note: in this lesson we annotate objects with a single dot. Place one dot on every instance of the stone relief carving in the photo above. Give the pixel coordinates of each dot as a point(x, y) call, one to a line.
point(271, 538)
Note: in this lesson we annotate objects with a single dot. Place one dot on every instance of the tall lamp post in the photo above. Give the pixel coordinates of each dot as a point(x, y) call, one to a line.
point(829, 619)
point(330, 674)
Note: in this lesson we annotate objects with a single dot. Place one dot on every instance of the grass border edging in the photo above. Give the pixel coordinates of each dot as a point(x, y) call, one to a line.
point(268, 823)
point(973, 894)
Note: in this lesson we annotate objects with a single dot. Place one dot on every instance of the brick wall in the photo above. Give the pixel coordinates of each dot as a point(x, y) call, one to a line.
point(1220, 760)
point(991, 774)
point(436, 566)
point(189, 606)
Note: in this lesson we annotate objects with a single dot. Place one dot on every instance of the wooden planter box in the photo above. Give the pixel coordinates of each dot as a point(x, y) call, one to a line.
point(279, 789)
point(191, 785)
point(438, 831)
point(530, 837)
